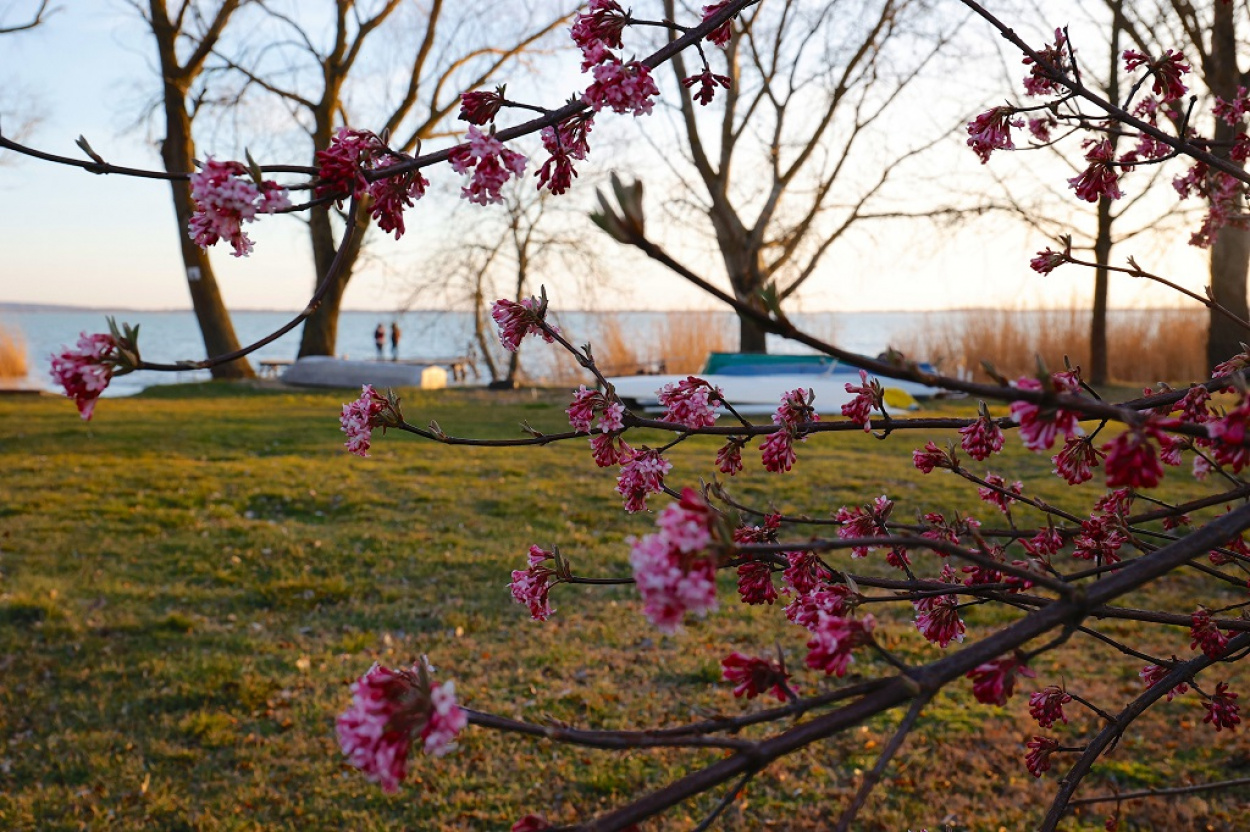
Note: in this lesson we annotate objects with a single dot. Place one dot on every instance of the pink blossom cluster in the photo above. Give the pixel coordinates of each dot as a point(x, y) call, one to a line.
point(690, 402)
point(564, 142)
point(931, 456)
point(1046, 705)
point(480, 107)
point(752, 676)
point(225, 197)
point(642, 474)
point(390, 708)
point(1166, 73)
point(1100, 539)
point(1132, 459)
point(1152, 674)
point(1039, 424)
point(530, 586)
point(864, 521)
point(982, 438)
point(729, 456)
point(1038, 759)
point(991, 131)
point(360, 417)
point(1099, 178)
point(1075, 461)
point(777, 450)
point(937, 619)
point(491, 163)
point(341, 171)
point(85, 372)
point(1205, 634)
point(1039, 80)
point(590, 406)
point(867, 398)
point(998, 493)
point(834, 639)
point(673, 568)
point(994, 681)
point(1222, 711)
point(721, 34)
point(516, 319)
point(708, 82)
point(622, 87)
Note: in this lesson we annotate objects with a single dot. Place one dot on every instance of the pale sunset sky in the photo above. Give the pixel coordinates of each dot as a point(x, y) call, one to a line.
point(73, 238)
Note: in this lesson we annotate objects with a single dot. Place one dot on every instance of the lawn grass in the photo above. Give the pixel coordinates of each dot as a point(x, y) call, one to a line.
point(189, 582)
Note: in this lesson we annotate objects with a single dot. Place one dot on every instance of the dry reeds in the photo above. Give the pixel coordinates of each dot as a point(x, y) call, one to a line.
point(1145, 346)
point(678, 343)
point(13, 362)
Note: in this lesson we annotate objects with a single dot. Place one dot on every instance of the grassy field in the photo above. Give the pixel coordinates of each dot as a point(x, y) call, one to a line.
point(189, 582)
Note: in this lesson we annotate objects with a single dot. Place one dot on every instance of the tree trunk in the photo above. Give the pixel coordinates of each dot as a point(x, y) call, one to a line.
point(178, 153)
point(320, 334)
point(1230, 254)
point(750, 337)
point(1097, 369)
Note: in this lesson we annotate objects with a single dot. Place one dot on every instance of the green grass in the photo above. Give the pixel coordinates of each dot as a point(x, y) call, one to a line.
point(189, 582)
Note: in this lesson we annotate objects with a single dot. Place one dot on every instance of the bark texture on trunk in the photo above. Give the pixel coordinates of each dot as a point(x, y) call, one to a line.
point(178, 154)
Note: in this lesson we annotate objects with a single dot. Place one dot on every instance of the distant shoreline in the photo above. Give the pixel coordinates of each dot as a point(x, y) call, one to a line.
point(28, 308)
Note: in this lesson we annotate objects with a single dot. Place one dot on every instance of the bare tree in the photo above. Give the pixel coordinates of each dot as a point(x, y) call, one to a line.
point(184, 41)
point(787, 168)
point(456, 47)
point(42, 13)
point(16, 106)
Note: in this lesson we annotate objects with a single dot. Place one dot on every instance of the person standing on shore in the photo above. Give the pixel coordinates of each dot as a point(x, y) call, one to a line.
point(395, 333)
point(379, 339)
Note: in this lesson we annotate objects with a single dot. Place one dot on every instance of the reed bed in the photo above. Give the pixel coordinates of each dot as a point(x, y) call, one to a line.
point(1143, 346)
point(13, 363)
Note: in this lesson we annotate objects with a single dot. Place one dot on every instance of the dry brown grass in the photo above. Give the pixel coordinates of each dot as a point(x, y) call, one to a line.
point(1143, 345)
point(13, 362)
point(680, 343)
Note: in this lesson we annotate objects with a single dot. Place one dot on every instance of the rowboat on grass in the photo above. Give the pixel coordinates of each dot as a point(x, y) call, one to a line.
point(754, 383)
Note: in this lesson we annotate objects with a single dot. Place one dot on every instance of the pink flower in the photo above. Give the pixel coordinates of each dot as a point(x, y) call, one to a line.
point(531, 586)
point(1132, 460)
point(1099, 179)
point(1204, 633)
point(589, 406)
point(1040, 128)
point(556, 174)
point(389, 709)
point(806, 572)
point(1100, 539)
point(674, 574)
point(392, 195)
point(1167, 72)
point(516, 320)
point(1074, 462)
point(480, 107)
point(492, 165)
point(1229, 433)
point(867, 397)
point(1152, 674)
point(755, 583)
point(1047, 261)
point(1038, 760)
point(1231, 112)
point(85, 372)
point(982, 438)
point(690, 402)
point(994, 682)
point(531, 823)
point(225, 197)
point(929, 457)
point(991, 131)
point(599, 28)
point(808, 609)
point(833, 641)
point(1040, 425)
point(341, 166)
point(622, 87)
point(752, 676)
point(1045, 543)
point(729, 457)
point(1038, 81)
point(1222, 710)
point(778, 452)
point(569, 136)
point(707, 82)
point(641, 474)
point(864, 521)
point(778, 449)
point(721, 34)
point(360, 418)
point(994, 494)
point(1046, 706)
point(609, 449)
point(937, 619)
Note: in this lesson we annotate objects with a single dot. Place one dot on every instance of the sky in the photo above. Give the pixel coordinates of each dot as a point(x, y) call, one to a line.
point(109, 242)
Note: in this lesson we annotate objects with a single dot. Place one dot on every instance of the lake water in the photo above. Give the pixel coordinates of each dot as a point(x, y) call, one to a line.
point(170, 336)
